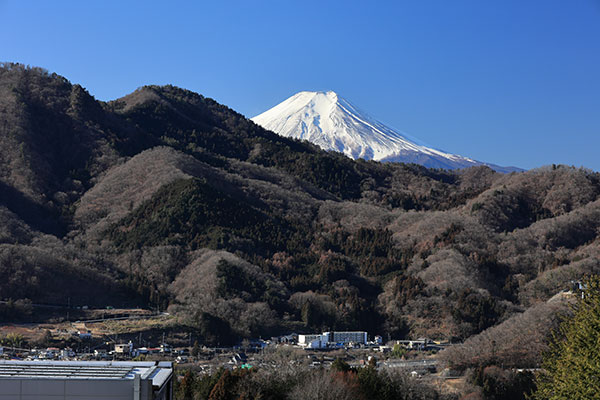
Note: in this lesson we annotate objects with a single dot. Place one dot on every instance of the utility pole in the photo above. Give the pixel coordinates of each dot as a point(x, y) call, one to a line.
point(68, 307)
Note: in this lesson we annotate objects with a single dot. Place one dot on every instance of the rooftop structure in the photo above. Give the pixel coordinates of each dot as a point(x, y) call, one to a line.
point(71, 380)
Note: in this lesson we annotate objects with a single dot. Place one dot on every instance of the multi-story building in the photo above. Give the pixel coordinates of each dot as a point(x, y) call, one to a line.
point(324, 339)
point(347, 337)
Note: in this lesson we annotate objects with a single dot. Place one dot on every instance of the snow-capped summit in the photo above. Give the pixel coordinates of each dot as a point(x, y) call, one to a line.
point(333, 123)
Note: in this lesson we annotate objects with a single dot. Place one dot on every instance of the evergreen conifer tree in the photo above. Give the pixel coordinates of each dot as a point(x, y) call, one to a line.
point(572, 364)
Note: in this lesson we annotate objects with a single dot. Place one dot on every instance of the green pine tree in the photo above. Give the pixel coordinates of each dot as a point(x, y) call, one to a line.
point(572, 364)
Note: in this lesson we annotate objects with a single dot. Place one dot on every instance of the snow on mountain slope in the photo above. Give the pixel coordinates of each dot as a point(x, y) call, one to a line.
point(331, 122)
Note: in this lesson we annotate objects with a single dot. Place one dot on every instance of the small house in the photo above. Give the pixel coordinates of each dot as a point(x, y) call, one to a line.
point(124, 348)
point(84, 334)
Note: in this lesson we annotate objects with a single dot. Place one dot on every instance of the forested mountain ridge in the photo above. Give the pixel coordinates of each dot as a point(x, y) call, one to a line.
point(166, 198)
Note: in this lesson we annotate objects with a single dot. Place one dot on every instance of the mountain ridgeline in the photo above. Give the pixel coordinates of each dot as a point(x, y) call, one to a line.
point(164, 198)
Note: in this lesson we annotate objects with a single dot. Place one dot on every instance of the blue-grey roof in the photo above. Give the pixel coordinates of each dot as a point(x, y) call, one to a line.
point(118, 370)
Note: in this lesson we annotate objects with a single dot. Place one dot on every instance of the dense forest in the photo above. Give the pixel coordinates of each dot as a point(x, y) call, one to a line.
point(341, 382)
point(167, 199)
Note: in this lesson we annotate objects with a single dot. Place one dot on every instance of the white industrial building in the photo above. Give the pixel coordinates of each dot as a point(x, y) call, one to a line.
point(313, 341)
point(319, 341)
point(85, 380)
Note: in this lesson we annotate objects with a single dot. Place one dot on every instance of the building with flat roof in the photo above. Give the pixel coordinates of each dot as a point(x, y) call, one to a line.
point(323, 340)
point(304, 340)
point(313, 341)
point(85, 380)
point(347, 337)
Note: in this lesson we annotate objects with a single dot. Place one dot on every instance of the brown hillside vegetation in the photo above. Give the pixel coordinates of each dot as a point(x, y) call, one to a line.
point(515, 343)
point(167, 199)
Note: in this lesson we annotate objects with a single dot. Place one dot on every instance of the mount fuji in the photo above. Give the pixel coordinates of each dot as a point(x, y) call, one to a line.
point(333, 123)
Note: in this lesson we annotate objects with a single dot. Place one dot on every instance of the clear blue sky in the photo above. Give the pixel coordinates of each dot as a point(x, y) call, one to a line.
point(511, 82)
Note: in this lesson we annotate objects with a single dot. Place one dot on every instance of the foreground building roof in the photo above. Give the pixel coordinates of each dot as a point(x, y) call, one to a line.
point(83, 379)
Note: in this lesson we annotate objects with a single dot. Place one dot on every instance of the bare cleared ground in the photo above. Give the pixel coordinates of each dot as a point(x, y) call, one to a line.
point(99, 322)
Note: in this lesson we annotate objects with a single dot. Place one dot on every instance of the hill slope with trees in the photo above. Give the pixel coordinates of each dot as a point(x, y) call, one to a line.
point(164, 197)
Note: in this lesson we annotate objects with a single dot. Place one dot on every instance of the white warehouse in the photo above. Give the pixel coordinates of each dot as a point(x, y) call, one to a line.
point(85, 380)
